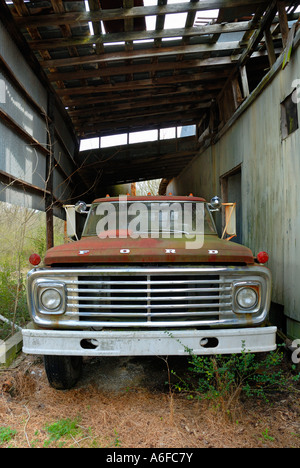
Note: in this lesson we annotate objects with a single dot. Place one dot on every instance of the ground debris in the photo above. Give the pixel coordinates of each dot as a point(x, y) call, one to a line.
point(134, 411)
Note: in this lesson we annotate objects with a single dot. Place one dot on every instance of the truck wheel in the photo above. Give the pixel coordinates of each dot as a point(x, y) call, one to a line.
point(63, 371)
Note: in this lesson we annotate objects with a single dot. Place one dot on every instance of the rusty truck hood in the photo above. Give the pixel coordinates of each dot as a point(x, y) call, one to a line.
point(92, 250)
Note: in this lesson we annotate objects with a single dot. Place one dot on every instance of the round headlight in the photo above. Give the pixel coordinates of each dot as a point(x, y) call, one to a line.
point(246, 298)
point(51, 299)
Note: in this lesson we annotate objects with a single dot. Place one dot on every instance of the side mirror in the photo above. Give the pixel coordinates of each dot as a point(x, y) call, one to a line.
point(215, 203)
point(81, 207)
point(230, 220)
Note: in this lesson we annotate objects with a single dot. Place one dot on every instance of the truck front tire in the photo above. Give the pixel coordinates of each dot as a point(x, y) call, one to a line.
point(63, 371)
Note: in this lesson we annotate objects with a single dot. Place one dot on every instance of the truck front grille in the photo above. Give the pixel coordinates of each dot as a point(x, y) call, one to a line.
point(148, 299)
point(169, 296)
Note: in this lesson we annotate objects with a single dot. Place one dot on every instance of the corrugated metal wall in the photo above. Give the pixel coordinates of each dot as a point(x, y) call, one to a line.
point(24, 135)
point(270, 170)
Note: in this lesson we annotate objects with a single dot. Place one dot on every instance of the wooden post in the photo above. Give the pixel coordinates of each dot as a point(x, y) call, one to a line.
point(270, 47)
point(49, 199)
point(283, 22)
point(244, 80)
point(237, 95)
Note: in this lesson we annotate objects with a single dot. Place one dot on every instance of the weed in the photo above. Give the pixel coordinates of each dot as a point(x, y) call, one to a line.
point(117, 442)
point(223, 379)
point(266, 435)
point(62, 429)
point(13, 303)
point(6, 434)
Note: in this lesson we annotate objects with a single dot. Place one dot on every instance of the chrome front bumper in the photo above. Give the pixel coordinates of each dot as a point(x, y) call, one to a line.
point(148, 342)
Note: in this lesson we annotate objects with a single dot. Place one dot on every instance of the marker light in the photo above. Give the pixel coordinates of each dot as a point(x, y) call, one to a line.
point(35, 259)
point(262, 257)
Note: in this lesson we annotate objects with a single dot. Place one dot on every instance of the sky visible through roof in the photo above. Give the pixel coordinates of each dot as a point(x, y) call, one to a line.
point(173, 21)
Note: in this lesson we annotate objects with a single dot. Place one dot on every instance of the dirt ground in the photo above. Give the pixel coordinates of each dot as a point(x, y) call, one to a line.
point(127, 403)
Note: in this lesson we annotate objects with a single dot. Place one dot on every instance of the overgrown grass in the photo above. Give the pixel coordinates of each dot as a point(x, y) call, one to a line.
point(13, 303)
point(22, 232)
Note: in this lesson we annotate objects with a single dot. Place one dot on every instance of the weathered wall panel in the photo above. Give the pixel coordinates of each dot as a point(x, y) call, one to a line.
point(270, 169)
point(24, 162)
point(21, 112)
point(11, 54)
point(24, 135)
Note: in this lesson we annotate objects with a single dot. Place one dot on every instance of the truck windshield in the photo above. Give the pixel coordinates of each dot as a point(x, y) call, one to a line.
point(148, 219)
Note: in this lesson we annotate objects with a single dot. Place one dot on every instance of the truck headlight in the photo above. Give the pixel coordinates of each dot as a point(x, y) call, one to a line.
point(246, 298)
point(51, 299)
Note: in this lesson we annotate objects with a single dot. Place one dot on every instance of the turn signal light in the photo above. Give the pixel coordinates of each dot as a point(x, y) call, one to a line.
point(35, 259)
point(262, 257)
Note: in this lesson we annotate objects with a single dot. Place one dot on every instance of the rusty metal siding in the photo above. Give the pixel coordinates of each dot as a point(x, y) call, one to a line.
point(270, 182)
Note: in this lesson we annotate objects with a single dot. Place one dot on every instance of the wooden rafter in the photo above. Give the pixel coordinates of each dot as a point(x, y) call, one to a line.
point(156, 34)
point(126, 14)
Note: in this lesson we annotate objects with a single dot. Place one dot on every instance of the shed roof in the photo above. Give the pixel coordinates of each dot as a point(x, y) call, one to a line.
point(115, 73)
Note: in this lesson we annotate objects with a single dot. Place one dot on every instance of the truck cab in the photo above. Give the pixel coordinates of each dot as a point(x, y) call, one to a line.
point(149, 276)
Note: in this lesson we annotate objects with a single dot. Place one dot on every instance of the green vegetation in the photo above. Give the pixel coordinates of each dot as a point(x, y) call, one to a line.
point(6, 434)
point(225, 379)
point(266, 435)
point(64, 433)
point(63, 430)
point(22, 232)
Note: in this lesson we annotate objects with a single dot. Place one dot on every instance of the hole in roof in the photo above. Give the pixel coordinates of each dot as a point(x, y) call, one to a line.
point(176, 20)
point(206, 17)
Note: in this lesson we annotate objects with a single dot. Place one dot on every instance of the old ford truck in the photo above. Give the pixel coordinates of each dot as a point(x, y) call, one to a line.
point(149, 276)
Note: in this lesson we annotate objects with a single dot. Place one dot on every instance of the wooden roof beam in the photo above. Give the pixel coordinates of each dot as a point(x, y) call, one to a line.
point(155, 83)
point(252, 44)
point(209, 29)
point(126, 14)
point(84, 74)
point(145, 113)
point(141, 54)
point(258, 35)
point(136, 124)
point(284, 27)
point(137, 98)
point(135, 105)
